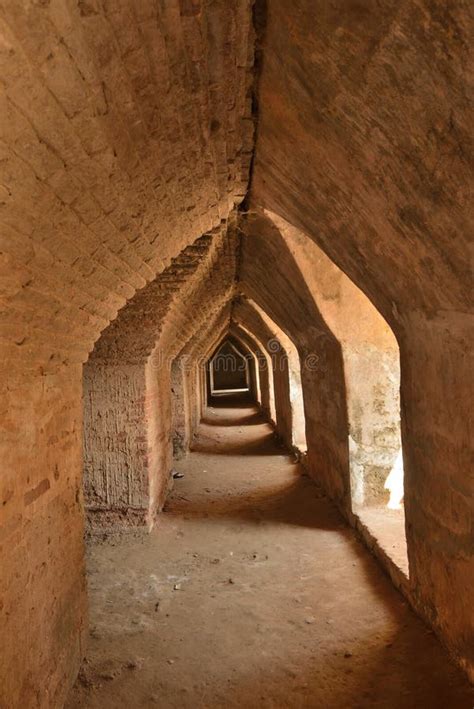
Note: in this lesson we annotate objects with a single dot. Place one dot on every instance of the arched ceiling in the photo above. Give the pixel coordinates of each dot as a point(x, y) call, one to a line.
point(175, 303)
point(126, 134)
point(364, 142)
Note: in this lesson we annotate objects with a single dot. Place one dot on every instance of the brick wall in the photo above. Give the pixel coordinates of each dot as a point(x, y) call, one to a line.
point(362, 144)
point(126, 134)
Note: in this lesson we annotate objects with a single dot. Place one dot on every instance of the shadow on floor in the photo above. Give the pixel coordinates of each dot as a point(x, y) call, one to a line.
point(252, 592)
point(232, 410)
point(253, 419)
point(232, 401)
point(265, 444)
point(235, 412)
point(299, 503)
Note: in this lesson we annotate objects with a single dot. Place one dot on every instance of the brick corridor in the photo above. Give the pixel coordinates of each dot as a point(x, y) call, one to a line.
point(251, 592)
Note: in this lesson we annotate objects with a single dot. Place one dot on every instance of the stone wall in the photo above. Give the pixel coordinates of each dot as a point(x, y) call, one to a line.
point(270, 277)
point(126, 134)
point(373, 100)
point(42, 579)
point(180, 407)
point(436, 357)
point(248, 316)
point(371, 366)
point(157, 425)
point(116, 481)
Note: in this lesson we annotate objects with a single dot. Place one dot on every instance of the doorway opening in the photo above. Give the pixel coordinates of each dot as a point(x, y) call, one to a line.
point(229, 370)
point(371, 366)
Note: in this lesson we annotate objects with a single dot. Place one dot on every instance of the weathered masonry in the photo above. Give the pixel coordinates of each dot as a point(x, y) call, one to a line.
point(292, 178)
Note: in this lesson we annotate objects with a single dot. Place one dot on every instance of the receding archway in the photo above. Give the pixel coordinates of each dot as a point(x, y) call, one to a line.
point(229, 370)
point(371, 361)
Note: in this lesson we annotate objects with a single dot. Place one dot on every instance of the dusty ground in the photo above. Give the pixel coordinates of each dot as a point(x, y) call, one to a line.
point(253, 593)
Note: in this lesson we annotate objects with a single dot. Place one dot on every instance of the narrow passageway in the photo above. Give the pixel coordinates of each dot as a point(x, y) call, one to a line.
point(252, 592)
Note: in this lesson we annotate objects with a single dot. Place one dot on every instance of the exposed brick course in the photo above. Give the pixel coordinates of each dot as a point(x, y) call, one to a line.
point(127, 252)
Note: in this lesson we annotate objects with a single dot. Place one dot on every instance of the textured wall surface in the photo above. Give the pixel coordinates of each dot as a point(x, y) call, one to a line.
point(114, 435)
point(270, 276)
point(246, 315)
point(371, 366)
point(127, 138)
point(364, 137)
point(127, 421)
point(126, 134)
point(180, 411)
point(364, 143)
point(42, 584)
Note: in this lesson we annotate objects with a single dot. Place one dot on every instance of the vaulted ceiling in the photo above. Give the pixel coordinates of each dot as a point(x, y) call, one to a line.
point(128, 131)
point(126, 134)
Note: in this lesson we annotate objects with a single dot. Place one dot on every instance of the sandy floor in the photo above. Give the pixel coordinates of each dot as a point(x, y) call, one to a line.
point(253, 593)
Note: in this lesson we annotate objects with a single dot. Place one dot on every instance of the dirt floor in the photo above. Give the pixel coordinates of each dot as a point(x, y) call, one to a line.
point(252, 592)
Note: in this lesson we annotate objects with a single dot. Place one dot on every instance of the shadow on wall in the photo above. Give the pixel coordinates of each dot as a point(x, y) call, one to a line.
point(372, 372)
point(329, 306)
point(371, 368)
point(294, 503)
point(284, 344)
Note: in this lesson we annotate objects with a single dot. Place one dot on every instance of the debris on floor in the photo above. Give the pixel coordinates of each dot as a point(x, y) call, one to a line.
point(284, 609)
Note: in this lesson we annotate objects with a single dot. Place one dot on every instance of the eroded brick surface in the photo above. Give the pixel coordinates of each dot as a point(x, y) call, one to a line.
point(126, 137)
point(126, 134)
